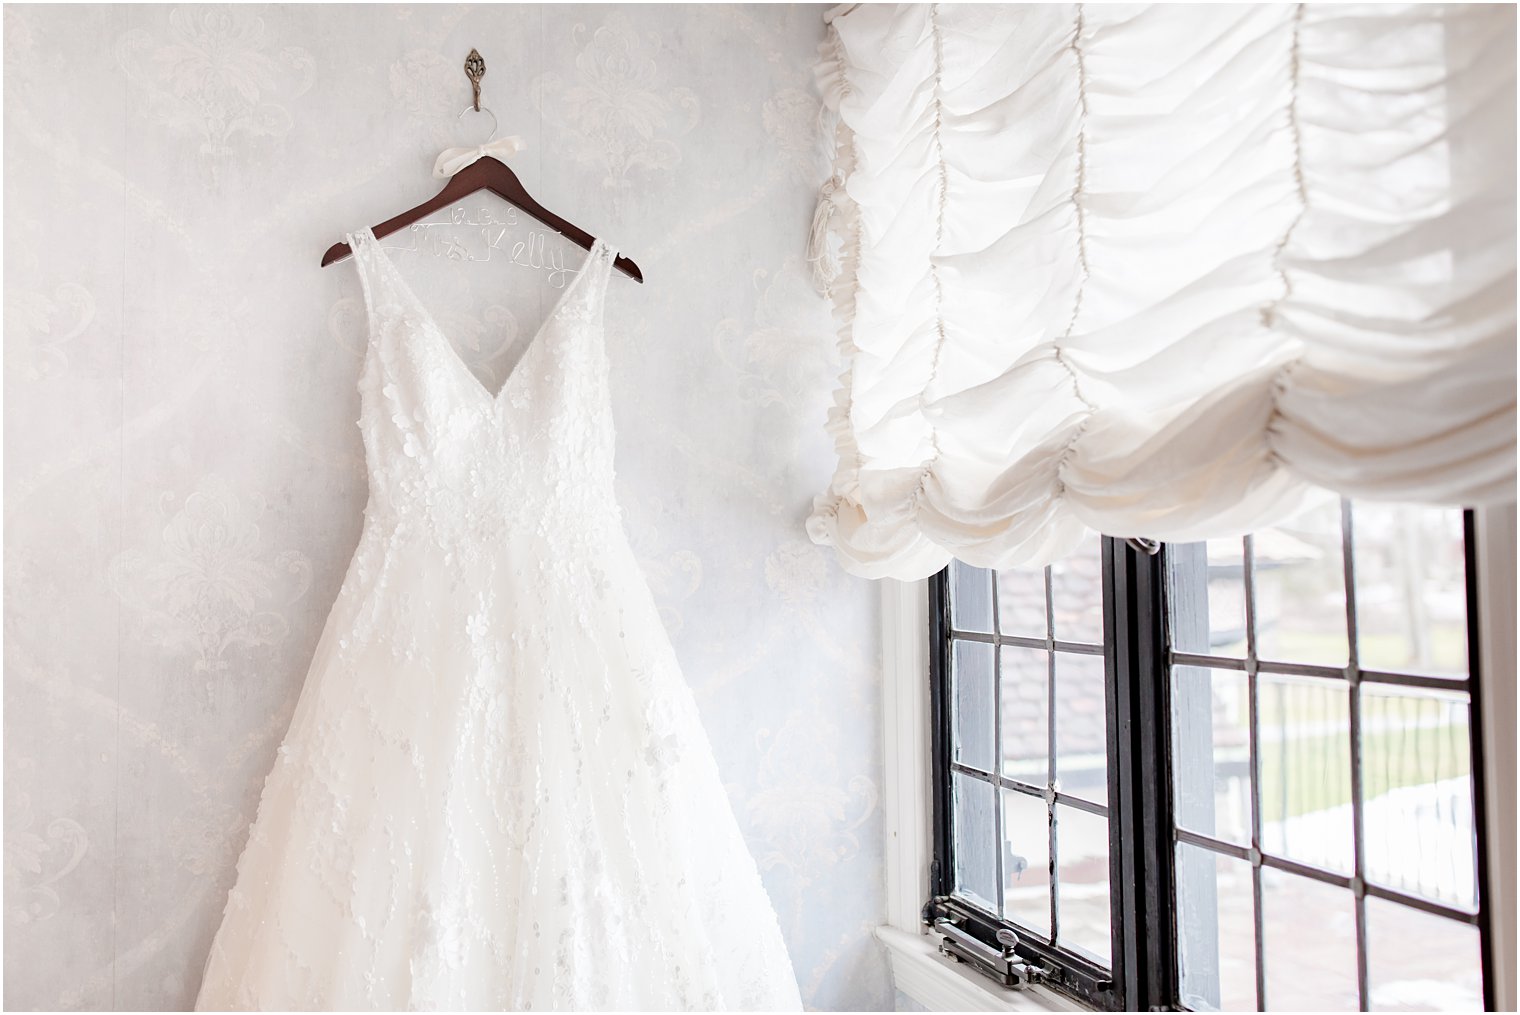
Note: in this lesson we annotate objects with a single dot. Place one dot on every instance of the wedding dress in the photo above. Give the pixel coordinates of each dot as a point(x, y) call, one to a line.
point(496, 791)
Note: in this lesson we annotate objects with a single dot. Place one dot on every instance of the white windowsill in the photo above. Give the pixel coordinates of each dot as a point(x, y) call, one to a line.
point(942, 984)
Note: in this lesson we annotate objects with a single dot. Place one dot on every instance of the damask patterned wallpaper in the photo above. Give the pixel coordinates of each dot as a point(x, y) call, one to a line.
point(184, 479)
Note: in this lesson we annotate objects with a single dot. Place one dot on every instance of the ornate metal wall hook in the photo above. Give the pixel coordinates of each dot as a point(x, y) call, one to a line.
point(475, 69)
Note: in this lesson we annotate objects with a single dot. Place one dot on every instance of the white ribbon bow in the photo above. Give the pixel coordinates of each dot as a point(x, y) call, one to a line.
point(454, 159)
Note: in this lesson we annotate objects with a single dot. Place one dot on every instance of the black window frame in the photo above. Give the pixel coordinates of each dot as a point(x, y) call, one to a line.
point(1137, 656)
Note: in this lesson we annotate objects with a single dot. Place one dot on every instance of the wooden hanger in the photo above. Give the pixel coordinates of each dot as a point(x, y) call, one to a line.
point(486, 173)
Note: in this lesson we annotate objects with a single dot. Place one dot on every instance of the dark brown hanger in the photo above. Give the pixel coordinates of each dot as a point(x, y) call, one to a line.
point(485, 173)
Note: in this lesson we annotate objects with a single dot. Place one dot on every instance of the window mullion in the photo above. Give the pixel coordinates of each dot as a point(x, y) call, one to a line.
point(997, 745)
point(1140, 812)
point(1479, 762)
point(1354, 714)
point(941, 877)
point(1253, 706)
point(1050, 758)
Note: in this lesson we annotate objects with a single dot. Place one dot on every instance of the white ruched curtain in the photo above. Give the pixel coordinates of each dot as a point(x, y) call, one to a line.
point(1158, 271)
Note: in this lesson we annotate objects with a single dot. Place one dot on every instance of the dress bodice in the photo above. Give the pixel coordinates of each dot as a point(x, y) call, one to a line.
point(449, 460)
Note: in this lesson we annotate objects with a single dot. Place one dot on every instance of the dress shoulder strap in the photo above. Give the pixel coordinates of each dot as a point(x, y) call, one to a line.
point(599, 269)
point(365, 264)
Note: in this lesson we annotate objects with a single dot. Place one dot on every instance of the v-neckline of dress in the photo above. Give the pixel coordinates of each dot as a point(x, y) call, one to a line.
point(431, 322)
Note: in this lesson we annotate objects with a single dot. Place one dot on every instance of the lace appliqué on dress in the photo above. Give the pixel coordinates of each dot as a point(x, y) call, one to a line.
point(496, 791)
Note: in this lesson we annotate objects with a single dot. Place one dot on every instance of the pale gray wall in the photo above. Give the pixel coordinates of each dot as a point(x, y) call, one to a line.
point(184, 480)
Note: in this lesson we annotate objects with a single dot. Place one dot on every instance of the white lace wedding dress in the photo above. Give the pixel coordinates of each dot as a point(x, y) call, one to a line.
point(496, 792)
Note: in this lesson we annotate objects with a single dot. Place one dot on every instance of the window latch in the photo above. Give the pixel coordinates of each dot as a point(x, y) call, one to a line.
point(996, 960)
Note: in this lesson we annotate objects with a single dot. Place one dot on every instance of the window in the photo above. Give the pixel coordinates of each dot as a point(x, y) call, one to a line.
point(1232, 775)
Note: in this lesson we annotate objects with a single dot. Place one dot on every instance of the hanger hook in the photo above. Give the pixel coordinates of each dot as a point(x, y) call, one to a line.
point(495, 124)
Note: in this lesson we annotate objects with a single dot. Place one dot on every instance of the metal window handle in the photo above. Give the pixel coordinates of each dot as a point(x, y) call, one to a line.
point(999, 963)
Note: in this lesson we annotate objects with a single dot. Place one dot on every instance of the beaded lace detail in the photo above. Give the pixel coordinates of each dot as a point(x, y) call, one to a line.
point(496, 792)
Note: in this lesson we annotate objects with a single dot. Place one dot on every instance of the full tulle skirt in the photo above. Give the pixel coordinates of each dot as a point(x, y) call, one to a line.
point(495, 793)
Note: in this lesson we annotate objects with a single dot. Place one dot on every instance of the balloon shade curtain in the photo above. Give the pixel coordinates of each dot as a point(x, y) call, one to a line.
point(1160, 271)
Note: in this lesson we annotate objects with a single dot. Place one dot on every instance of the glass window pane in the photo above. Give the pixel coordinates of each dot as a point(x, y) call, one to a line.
point(975, 834)
point(1082, 873)
point(1309, 944)
point(1021, 602)
point(974, 714)
point(1026, 861)
point(1418, 818)
point(1026, 714)
point(1211, 752)
point(1081, 727)
point(1216, 931)
point(1076, 594)
point(1207, 597)
point(1304, 752)
point(1301, 588)
point(1411, 591)
point(970, 598)
point(1413, 746)
point(1420, 962)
